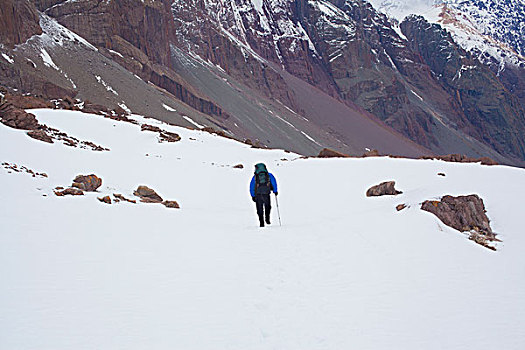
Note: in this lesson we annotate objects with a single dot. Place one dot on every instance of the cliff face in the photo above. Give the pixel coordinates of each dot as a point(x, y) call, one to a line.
point(136, 34)
point(494, 115)
point(18, 22)
point(145, 25)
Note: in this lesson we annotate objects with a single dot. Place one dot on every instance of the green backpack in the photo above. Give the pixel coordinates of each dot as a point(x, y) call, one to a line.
point(262, 178)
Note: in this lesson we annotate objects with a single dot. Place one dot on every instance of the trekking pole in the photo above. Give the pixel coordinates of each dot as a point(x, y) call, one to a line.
point(278, 213)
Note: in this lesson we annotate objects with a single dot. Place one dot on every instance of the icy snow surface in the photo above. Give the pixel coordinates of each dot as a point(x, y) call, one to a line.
point(343, 272)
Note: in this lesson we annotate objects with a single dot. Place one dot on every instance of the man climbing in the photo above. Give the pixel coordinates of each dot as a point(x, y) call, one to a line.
point(261, 185)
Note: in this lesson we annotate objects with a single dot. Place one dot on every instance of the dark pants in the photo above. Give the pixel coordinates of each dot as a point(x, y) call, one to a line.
point(262, 202)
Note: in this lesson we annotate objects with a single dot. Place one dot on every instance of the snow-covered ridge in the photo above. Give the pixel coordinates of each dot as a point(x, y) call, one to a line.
point(343, 270)
point(491, 30)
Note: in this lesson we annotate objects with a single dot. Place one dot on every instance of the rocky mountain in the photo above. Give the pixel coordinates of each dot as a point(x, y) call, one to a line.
point(295, 74)
point(492, 31)
point(350, 51)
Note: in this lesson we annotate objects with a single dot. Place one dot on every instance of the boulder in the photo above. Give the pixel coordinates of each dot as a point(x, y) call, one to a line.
point(400, 207)
point(238, 166)
point(384, 188)
point(105, 199)
point(71, 191)
point(40, 135)
point(88, 183)
point(330, 153)
point(464, 213)
point(147, 195)
point(171, 204)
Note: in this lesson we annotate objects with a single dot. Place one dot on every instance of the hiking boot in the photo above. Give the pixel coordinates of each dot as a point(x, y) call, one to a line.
point(268, 220)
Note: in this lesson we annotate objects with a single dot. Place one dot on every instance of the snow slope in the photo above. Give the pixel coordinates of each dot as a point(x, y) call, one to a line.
point(343, 272)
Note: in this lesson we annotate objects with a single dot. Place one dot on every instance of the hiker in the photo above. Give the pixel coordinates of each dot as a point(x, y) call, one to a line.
point(261, 185)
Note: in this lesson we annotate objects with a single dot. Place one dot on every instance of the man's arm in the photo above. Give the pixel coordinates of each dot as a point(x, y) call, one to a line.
point(252, 187)
point(274, 183)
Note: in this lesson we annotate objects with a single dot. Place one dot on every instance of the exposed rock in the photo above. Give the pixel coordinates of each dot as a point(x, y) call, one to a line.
point(105, 199)
point(171, 204)
point(400, 207)
point(167, 136)
point(19, 21)
point(465, 214)
point(94, 108)
point(69, 191)
point(461, 158)
point(88, 183)
point(70, 140)
point(28, 101)
point(238, 166)
point(147, 127)
point(330, 153)
point(17, 118)
point(164, 136)
point(384, 188)
point(371, 153)
point(442, 174)
point(19, 169)
point(40, 135)
point(147, 195)
point(122, 198)
point(221, 133)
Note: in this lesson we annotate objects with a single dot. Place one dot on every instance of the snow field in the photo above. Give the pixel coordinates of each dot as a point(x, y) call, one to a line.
point(344, 271)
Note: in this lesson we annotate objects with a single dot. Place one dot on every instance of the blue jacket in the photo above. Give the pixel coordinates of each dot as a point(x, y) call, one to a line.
point(272, 181)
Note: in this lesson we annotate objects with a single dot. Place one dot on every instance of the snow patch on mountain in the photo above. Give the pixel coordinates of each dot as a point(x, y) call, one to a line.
point(8, 58)
point(48, 61)
point(54, 33)
point(106, 85)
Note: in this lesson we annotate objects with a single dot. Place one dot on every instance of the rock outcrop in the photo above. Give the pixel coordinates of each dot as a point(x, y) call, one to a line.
point(147, 195)
point(384, 188)
point(171, 204)
point(105, 199)
point(164, 136)
point(119, 197)
point(89, 183)
point(330, 153)
point(40, 135)
point(400, 207)
point(71, 191)
point(465, 214)
point(17, 118)
point(461, 158)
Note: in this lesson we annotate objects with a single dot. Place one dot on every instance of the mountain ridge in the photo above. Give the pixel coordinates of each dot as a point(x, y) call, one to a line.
point(345, 49)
